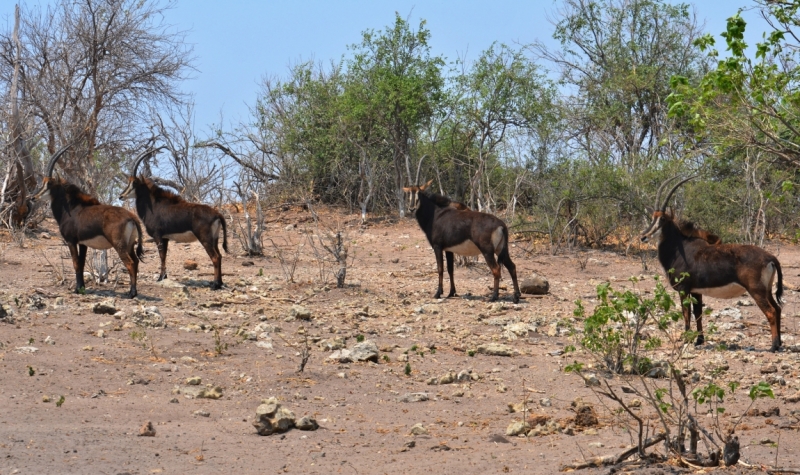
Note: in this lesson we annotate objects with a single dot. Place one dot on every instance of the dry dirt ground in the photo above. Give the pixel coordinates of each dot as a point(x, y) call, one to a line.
point(114, 375)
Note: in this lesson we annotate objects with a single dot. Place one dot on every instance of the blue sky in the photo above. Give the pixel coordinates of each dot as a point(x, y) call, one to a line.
point(238, 44)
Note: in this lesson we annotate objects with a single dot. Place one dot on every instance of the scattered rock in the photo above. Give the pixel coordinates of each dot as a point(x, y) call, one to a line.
point(342, 356)
point(27, 350)
point(517, 428)
point(197, 392)
point(106, 307)
point(147, 430)
point(771, 412)
point(413, 397)
point(307, 423)
point(299, 312)
point(496, 349)
point(591, 379)
point(418, 429)
point(331, 344)
point(148, 317)
point(769, 368)
point(365, 351)
point(193, 381)
point(272, 418)
point(201, 413)
point(536, 419)
point(534, 285)
point(190, 264)
point(793, 398)
point(545, 402)
point(49, 340)
point(248, 264)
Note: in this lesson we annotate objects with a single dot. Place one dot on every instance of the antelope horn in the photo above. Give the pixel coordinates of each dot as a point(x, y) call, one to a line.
point(660, 189)
point(142, 157)
point(52, 163)
point(669, 195)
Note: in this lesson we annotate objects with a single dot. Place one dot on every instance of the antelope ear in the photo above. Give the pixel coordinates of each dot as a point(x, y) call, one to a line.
point(426, 184)
point(669, 211)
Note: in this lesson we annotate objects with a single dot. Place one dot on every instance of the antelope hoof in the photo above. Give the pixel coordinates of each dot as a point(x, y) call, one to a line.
point(437, 295)
point(132, 293)
point(451, 294)
point(776, 345)
point(161, 277)
point(700, 340)
point(516, 298)
point(493, 298)
point(216, 285)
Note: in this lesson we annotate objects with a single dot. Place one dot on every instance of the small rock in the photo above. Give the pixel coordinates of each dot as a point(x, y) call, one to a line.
point(27, 350)
point(248, 263)
point(596, 445)
point(342, 356)
point(769, 368)
point(148, 317)
point(794, 397)
point(45, 398)
point(174, 400)
point(88, 348)
point(106, 307)
point(365, 351)
point(591, 379)
point(190, 264)
point(147, 430)
point(517, 428)
point(101, 333)
point(49, 341)
point(413, 397)
point(534, 285)
point(307, 423)
point(545, 402)
point(418, 429)
point(201, 413)
point(448, 378)
point(193, 381)
point(495, 349)
point(299, 312)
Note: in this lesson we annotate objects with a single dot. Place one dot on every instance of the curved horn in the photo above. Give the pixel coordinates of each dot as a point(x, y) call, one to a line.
point(142, 157)
point(52, 163)
point(660, 189)
point(669, 195)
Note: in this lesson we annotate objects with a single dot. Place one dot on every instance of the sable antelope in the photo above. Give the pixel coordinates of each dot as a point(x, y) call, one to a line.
point(84, 222)
point(413, 197)
point(168, 217)
point(22, 205)
point(719, 270)
point(467, 233)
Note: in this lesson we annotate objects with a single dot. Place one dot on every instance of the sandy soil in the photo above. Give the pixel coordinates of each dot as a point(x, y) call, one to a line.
point(114, 375)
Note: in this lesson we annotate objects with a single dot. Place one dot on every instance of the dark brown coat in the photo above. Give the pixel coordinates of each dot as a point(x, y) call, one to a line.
point(467, 233)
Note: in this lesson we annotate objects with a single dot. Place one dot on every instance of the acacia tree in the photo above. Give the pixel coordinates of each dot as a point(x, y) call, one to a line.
point(91, 73)
point(616, 58)
point(406, 85)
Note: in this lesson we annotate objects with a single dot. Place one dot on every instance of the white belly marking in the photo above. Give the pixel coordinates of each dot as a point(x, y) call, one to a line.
point(97, 242)
point(186, 236)
point(730, 291)
point(466, 248)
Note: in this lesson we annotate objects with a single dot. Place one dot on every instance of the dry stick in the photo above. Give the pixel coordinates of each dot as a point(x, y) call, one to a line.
point(782, 470)
point(612, 459)
point(613, 396)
